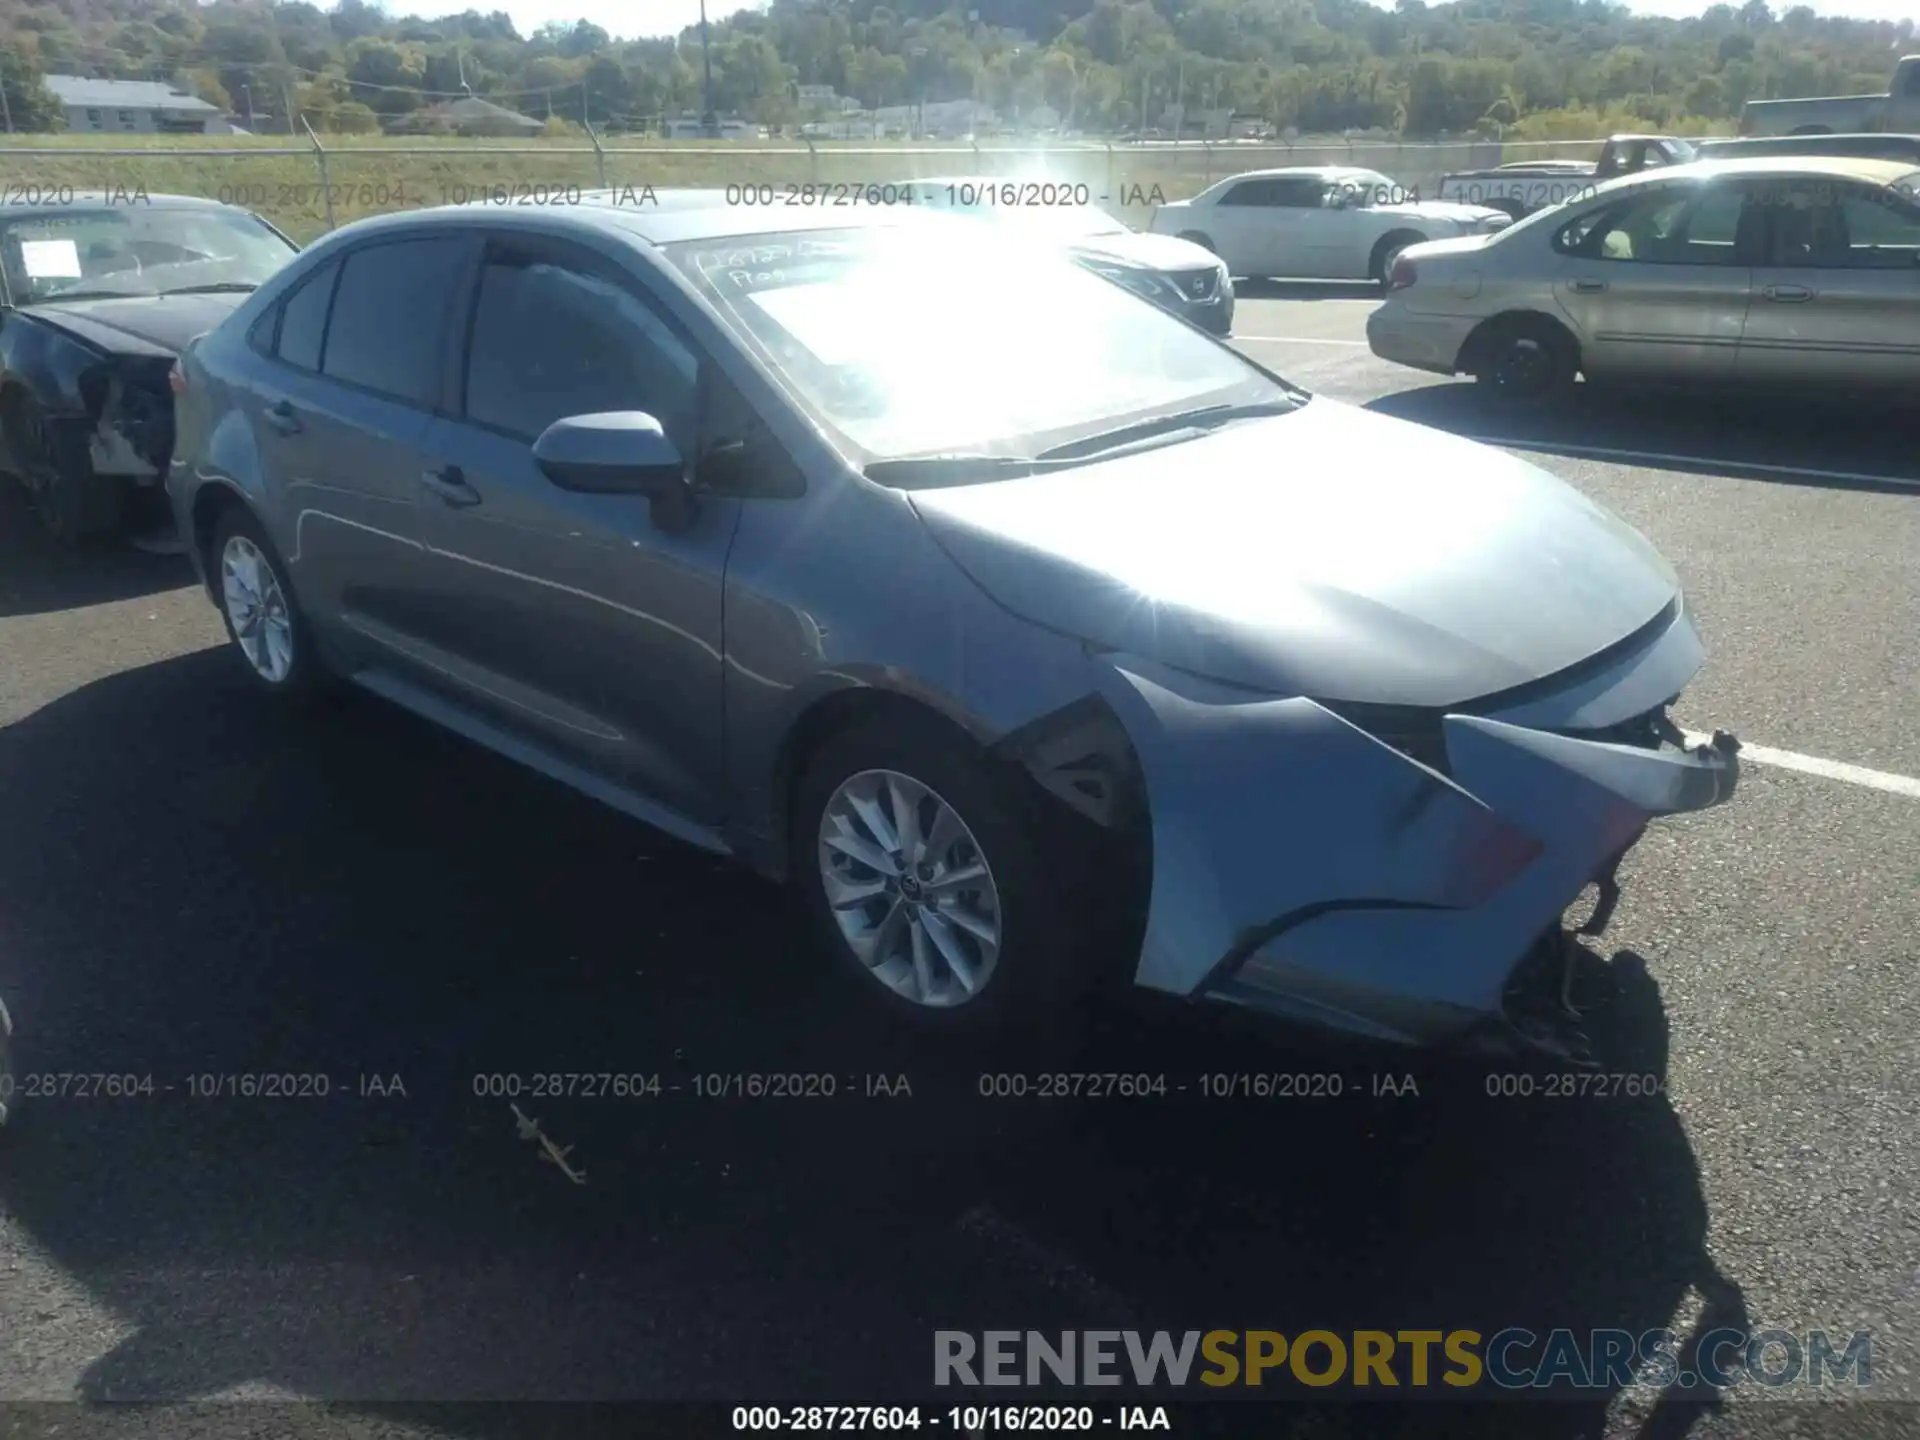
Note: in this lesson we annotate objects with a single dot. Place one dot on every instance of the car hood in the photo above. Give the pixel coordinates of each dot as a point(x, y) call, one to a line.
point(1145, 252)
point(1330, 552)
point(1439, 210)
point(139, 324)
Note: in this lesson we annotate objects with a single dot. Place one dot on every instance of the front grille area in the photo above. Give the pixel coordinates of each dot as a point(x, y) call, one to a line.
point(1196, 284)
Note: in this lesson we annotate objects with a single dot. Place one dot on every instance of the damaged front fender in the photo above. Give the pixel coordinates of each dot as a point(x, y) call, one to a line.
point(1301, 865)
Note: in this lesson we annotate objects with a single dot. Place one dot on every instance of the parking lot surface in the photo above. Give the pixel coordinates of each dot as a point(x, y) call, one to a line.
point(194, 887)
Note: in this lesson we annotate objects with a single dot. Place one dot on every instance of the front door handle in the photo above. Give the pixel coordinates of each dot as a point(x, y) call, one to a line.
point(1589, 287)
point(283, 417)
point(1789, 294)
point(451, 486)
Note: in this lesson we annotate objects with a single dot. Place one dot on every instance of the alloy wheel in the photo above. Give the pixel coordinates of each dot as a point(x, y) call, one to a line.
point(910, 889)
point(257, 609)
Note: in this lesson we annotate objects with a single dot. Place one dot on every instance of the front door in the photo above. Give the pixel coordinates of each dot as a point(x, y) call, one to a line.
point(572, 618)
point(1837, 297)
point(1658, 284)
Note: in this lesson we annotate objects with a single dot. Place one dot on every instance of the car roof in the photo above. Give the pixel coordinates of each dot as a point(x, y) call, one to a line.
point(111, 200)
point(1826, 167)
point(1304, 172)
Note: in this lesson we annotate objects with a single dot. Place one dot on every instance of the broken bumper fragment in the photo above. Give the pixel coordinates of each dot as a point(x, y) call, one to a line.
point(1303, 866)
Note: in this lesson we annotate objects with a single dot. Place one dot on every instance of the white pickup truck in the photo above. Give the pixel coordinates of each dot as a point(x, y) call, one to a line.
point(1529, 185)
point(1897, 110)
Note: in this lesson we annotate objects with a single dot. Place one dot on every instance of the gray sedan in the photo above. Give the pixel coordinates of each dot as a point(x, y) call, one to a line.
point(1798, 271)
point(1033, 634)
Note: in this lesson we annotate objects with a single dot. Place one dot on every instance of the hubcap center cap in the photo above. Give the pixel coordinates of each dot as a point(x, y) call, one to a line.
point(910, 889)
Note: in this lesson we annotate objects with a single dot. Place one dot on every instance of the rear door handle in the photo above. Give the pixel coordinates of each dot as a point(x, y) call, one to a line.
point(1790, 294)
point(283, 417)
point(1589, 287)
point(451, 486)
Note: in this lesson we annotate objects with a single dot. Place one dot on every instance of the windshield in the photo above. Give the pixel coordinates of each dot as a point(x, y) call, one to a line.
point(134, 250)
point(929, 340)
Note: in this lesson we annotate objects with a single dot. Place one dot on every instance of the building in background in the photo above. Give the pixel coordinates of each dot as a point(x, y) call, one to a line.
point(141, 107)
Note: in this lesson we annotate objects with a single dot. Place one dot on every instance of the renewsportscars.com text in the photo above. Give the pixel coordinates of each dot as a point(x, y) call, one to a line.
point(1456, 1360)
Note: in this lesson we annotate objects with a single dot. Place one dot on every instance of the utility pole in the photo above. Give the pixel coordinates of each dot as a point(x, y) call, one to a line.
point(247, 90)
point(6, 106)
point(709, 122)
point(286, 95)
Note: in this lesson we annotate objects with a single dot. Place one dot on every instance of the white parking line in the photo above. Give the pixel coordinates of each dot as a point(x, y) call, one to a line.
point(1293, 340)
point(1832, 770)
point(1826, 769)
point(1656, 458)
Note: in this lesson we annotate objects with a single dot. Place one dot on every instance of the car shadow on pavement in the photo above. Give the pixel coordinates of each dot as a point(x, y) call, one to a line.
point(36, 576)
point(362, 905)
point(1827, 442)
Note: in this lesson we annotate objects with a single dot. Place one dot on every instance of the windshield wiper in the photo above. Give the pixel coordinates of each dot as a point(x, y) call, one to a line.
point(1207, 417)
point(95, 295)
point(218, 287)
point(920, 471)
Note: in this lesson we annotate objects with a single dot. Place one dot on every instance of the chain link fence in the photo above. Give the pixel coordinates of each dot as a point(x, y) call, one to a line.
point(309, 186)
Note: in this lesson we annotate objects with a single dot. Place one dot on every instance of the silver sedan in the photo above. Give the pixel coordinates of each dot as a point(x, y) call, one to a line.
point(1801, 271)
point(1031, 632)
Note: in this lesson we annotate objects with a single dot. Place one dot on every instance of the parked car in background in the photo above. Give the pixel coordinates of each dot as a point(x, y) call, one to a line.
point(1860, 147)
point(1801, 272)
point(1897, 109)
point(1315, 222)
point(1524, 186)
point(99, 295)
point(1177, 275)
point(780, 541)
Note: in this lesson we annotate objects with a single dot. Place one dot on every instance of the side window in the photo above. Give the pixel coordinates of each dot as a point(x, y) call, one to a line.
point(1299, 194)
point(303, 318)
point(551, 340)
point(1249, 192)
point(1881, 231)
point(389, 314)
point(1657, 227)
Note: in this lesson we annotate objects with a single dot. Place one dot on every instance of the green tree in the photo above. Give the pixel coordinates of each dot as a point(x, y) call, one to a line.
point(30, 104)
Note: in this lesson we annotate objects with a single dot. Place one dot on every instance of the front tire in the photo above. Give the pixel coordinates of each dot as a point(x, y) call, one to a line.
point(263, 618)
point(919, 868)
point(75, 507)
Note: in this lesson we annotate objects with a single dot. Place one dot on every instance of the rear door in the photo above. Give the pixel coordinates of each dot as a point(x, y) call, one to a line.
point(1261, 222)
point(1837, 297)
point(574, 619)
point(1659, 283)
point(340, 415)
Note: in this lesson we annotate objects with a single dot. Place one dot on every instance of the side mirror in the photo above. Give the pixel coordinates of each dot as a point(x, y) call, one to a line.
point(621, 452)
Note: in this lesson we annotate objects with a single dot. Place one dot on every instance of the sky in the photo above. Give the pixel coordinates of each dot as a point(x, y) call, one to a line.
point(625, 19)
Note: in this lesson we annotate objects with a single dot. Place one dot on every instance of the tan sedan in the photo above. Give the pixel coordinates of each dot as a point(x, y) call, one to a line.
point(1799, 270)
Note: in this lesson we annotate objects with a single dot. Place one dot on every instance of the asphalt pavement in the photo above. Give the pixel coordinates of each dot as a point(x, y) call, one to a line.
point(195, 888)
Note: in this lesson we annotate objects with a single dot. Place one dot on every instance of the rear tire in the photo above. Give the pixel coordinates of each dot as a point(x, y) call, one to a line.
point(263, 618)
point(909, 929)
point(1525, 361)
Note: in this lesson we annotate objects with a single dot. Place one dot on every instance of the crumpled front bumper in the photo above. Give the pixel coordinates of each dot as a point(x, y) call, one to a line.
point(1303, 866)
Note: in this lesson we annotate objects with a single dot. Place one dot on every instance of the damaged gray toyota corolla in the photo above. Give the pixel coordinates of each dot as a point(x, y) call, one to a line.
point(1027, 629)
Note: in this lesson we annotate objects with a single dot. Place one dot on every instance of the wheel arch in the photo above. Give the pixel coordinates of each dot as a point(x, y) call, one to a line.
point(1397, 238)
point(1472, 351)
point(1076, 760)
point(214, 499)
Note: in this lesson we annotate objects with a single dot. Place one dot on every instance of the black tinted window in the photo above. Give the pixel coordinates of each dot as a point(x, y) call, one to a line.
point(1249, 192)
point(551, 341)
point(1298, 194)
point(303, 318)
point(389, 311)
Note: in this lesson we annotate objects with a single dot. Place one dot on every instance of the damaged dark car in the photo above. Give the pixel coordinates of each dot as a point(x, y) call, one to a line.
point(99, 297)
point(1031, 633)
